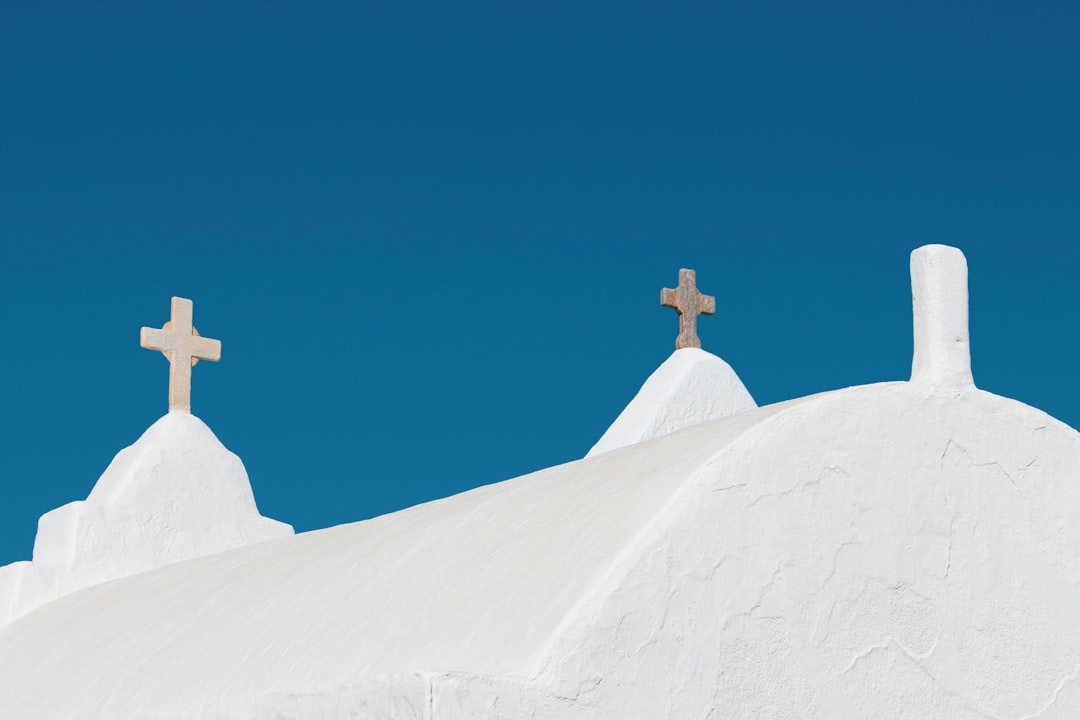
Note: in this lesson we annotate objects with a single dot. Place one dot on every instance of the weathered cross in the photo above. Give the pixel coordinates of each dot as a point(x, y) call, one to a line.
point(181, 343)
point(689, 303)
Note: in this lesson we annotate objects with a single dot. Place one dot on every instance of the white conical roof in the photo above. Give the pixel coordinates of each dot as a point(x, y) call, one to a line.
point(175, 494)
point(690, 387)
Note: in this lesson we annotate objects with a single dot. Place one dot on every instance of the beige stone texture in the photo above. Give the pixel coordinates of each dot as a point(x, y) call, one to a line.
point(180, 342)
point(689, 303)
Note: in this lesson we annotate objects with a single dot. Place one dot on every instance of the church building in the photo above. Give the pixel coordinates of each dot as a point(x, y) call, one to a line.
point(896, 550)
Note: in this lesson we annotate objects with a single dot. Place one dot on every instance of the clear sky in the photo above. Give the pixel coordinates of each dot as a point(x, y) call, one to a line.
point(431, 237)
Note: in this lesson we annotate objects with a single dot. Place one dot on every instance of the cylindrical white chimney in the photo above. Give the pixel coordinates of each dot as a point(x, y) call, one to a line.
point(939, 300)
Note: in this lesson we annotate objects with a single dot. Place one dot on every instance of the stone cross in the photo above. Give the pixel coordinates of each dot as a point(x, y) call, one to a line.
point(939, 303)
point(689, 303)
point(181, 343)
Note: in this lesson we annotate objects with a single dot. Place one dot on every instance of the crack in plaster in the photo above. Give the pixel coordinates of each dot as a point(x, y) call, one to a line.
point(988, 463)
point(915, 660)
point(1071, 677)
point(832, 570)
point(799, 487)
point(749, 613)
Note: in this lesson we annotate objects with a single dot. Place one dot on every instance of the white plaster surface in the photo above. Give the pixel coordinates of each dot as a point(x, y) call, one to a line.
point(176, 494)
point(885, 551)
point(690, 387)
point(939, 299)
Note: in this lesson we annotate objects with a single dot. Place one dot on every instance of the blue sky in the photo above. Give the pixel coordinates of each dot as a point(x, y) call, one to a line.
point(431, 237)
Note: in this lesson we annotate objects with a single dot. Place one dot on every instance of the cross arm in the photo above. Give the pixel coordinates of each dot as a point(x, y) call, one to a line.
point(670, 298)
point(205, 348)
point(157, 339)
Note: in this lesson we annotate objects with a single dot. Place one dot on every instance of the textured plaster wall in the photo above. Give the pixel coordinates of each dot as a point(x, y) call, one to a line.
point(880, 552)
point(176, 494)
point(888, 551)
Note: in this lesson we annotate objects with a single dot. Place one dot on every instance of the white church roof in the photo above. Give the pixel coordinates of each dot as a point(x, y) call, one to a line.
point(175, 494)
point(903, 549)
point(480, 582)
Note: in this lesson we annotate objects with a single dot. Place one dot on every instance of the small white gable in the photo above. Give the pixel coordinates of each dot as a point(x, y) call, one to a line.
point(176, 494)
point(690, 387)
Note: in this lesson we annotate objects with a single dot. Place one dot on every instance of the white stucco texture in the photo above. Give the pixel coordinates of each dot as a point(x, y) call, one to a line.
point(690, 387)
point(939, 299)
point(176, 494)
point(885, 551)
